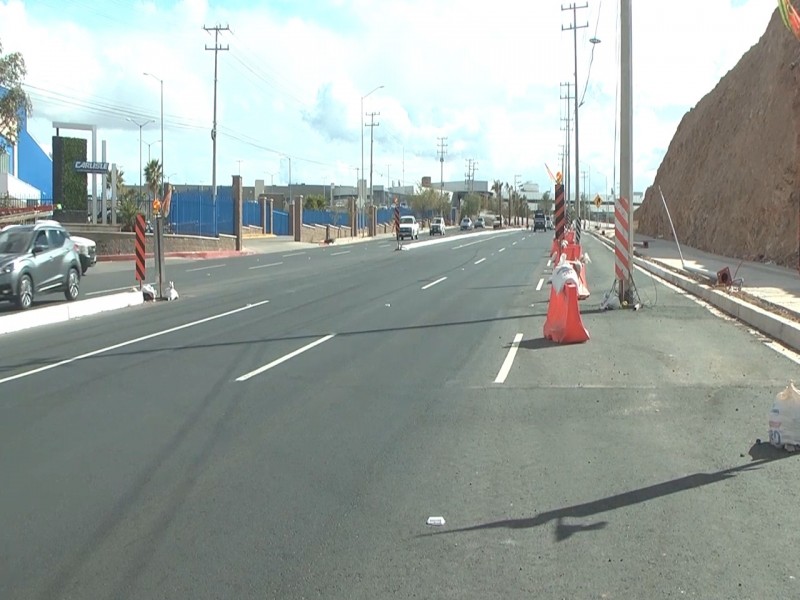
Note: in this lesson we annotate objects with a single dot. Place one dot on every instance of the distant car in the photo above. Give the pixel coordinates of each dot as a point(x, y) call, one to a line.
point(466, 224)
point(409, 228)
point(539, 222)
point(480, 223)
point(497, 222)
point(437, 226)
point(87, 251)
point(37, 259)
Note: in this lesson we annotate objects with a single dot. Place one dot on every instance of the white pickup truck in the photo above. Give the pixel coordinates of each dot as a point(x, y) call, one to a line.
point(409, 228)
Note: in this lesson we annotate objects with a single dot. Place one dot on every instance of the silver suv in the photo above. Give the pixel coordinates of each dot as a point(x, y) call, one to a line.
point(37, 259)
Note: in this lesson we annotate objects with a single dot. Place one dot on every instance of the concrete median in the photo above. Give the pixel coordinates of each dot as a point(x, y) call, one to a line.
point(65, 311)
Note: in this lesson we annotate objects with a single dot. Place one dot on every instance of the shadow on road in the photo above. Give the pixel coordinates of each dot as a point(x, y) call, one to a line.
point(264, 340)
point(761, 455)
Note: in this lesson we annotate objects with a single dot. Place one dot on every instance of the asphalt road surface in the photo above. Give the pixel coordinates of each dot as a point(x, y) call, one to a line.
point(286, 428)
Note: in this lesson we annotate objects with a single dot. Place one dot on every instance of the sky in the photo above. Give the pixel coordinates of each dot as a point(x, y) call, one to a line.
point(487, 76)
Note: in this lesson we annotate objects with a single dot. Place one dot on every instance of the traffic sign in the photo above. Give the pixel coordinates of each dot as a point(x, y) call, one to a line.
point(598, 201)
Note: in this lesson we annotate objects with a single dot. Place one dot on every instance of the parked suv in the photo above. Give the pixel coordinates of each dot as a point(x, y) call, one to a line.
point(437, 226)
point(37, 259)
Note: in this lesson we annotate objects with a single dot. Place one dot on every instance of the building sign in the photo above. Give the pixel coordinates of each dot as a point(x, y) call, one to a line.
point(83, 166)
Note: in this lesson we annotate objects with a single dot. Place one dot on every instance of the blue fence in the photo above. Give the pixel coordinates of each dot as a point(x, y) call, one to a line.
point(192, 213)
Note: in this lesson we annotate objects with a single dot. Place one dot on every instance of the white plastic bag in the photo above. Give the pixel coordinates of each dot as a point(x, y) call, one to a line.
point(784, 418)
point(564, 274)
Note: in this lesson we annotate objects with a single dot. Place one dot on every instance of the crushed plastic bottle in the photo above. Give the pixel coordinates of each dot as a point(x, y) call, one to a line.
point(436, 521)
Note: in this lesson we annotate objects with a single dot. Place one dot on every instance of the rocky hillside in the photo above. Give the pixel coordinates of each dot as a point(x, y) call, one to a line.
point(730, 174)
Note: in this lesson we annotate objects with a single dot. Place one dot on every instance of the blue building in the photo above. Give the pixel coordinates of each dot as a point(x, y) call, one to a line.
point(26, 170)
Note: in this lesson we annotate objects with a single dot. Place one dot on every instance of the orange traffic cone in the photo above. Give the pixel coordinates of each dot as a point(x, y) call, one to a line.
point(563, 324)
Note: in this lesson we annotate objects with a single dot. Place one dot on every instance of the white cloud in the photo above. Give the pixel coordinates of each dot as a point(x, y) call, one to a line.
point(486, 77)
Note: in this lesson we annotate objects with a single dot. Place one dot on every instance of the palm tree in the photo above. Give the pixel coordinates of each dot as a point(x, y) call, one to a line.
point(508, 191)
point(497, 188)
point(153, 174)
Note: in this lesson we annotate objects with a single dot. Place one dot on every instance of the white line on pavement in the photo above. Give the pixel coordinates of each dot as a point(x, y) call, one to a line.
point(501, 249)
point(433, 283)
point(512, 352)
point(549, 262)
point(338, 253)
point(540, 284)
point(265, 266)
point(292, 254)
point(204, 268)
point(514, 243)
point(384, 245)
point(129, 342)
point(283, 359)
point(477, 262)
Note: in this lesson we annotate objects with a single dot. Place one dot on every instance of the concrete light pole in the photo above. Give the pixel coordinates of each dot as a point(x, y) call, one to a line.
point(140, 126)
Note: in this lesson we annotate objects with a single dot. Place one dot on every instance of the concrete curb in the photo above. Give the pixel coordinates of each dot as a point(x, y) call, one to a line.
point(197, 255)
point(64, 311)
point(775, 326)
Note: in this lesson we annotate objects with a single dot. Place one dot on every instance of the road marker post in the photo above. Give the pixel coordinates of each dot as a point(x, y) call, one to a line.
point(139, 248)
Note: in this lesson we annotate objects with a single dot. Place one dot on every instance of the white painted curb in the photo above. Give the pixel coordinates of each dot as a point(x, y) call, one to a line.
point(64, 311)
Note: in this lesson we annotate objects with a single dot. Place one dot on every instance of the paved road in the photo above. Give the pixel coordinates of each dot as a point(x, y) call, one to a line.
point(285, 430)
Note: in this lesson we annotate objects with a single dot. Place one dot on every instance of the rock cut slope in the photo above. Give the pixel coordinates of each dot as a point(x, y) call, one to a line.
point(730, 174)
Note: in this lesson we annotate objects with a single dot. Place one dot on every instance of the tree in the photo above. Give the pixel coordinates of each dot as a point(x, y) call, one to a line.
point(497, 188)
point(509, 187)
point(546, 204)
point(153, 175)
point(15, 105)
point(315, 202)
point(427, 200)
point(471, 205)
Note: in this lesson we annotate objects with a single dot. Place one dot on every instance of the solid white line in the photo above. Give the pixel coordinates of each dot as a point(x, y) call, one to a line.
point(283, 359)
point(540, 284)
point(549, 261)
point(119, 289)
point(265, 266)
point(384, 245)
point(204, 268)
point(512, 352)
point(473, 243)
point(129, 342)
point(343, 252)
point(293, 254)
point(501, 249)
point(477, 262)
point(433, 283)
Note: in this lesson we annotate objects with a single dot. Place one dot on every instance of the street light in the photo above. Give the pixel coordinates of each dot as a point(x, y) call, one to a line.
point(161, 82)
point(363, 202)
point(149, 144)
point(140, 125)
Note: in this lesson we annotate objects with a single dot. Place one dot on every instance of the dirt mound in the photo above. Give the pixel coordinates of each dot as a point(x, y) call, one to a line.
point(730, 174)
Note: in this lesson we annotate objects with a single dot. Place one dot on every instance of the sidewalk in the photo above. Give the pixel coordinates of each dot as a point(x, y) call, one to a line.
point(769, 299)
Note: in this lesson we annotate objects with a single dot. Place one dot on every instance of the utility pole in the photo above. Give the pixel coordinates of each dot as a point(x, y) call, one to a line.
point(566, 166)
point(372, 125)
point(442, 148)
point(574, 28)
point(216, 48)
point(627, 290)
point(516, 197)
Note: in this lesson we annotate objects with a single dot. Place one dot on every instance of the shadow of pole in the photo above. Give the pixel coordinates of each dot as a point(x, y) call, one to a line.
point(760, 453)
